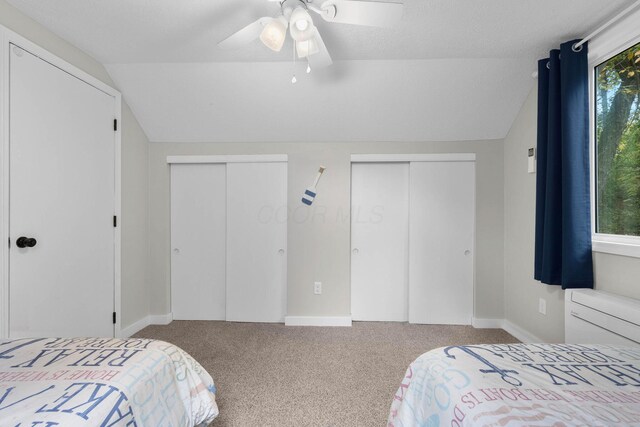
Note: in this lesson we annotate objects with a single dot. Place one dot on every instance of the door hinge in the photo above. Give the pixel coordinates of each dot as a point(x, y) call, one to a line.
point(115, 221)
point(9, 239)
point(114, 317)
point(115, 125)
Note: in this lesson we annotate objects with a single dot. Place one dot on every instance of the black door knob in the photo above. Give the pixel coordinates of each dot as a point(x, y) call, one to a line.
point(26, 242)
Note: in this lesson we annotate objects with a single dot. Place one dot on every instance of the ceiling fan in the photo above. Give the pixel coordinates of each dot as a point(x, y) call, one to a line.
point(294, 15)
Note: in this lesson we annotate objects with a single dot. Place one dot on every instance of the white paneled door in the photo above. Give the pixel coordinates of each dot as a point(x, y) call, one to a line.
point(256, 241)
point(441, 242)
point(198, 241)
point(379, 241)
point(61, 193)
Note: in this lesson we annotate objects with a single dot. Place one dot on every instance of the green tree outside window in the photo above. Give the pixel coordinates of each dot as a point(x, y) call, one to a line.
point(618, 144)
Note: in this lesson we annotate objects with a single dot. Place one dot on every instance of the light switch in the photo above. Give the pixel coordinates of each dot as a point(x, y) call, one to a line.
point(532, 160)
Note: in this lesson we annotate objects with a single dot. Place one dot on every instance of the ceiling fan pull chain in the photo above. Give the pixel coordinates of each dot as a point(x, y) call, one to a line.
point(294, 79)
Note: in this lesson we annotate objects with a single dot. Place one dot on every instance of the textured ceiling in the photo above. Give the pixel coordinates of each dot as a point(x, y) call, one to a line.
point(416, 100)
point(451, 70)
point(142, 31)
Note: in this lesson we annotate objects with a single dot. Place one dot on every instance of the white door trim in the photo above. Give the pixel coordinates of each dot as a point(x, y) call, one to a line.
point(257, 158)
point(444, 157)
point(8, 37)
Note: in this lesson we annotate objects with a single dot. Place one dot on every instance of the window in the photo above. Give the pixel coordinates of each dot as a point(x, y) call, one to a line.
point(617, 144)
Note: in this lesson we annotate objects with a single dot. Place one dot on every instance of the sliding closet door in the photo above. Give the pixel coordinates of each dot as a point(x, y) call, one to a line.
point(198, 241)
point(256, 241)
point(442, 212)
point(379, 241)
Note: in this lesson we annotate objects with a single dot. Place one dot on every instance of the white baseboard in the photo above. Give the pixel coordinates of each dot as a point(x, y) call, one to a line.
point(515, 330)
point(134, 327)
point(521, 334)
point(160, 319)
point(480, 323)
point(317, 320)
point(154, 319)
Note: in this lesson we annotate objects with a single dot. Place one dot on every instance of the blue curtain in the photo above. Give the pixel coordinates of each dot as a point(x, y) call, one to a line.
point(563, 213)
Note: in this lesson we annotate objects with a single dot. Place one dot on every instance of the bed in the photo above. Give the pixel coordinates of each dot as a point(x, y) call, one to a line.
point(520, 384)
point(534, 384)
point(48, 382)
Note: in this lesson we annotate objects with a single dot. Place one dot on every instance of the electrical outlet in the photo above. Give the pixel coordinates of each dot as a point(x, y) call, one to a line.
point(542, 306)
point(317, 288)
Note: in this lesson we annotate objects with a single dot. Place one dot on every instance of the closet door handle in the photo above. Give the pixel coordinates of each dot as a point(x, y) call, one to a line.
point(355, 251)
point(281, 252)
point(467, 252)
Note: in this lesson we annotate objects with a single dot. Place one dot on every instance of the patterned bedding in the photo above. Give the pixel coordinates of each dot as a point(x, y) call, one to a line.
point(520, 384)
point(48, 382)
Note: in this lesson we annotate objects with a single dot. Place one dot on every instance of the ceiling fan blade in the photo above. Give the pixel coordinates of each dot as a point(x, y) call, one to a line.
point(245, 35)
point(362, 12)
point(322, 58)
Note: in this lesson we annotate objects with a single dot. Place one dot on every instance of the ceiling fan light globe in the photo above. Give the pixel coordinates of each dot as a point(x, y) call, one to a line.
point(301, 25)
point(274, 33)
point(307, 48)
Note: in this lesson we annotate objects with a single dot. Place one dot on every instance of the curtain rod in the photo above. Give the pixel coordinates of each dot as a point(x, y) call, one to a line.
point(601, 29)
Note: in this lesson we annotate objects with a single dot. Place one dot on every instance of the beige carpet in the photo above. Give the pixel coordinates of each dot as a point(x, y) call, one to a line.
point(272, 375)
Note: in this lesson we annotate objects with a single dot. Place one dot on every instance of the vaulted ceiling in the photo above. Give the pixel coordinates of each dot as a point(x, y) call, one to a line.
point(450, 70)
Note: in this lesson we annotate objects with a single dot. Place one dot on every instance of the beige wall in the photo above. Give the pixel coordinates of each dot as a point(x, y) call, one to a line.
point(613, 273)
point(135, 219)
point(521, 291)
point(135, 303)
point(319, 244)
